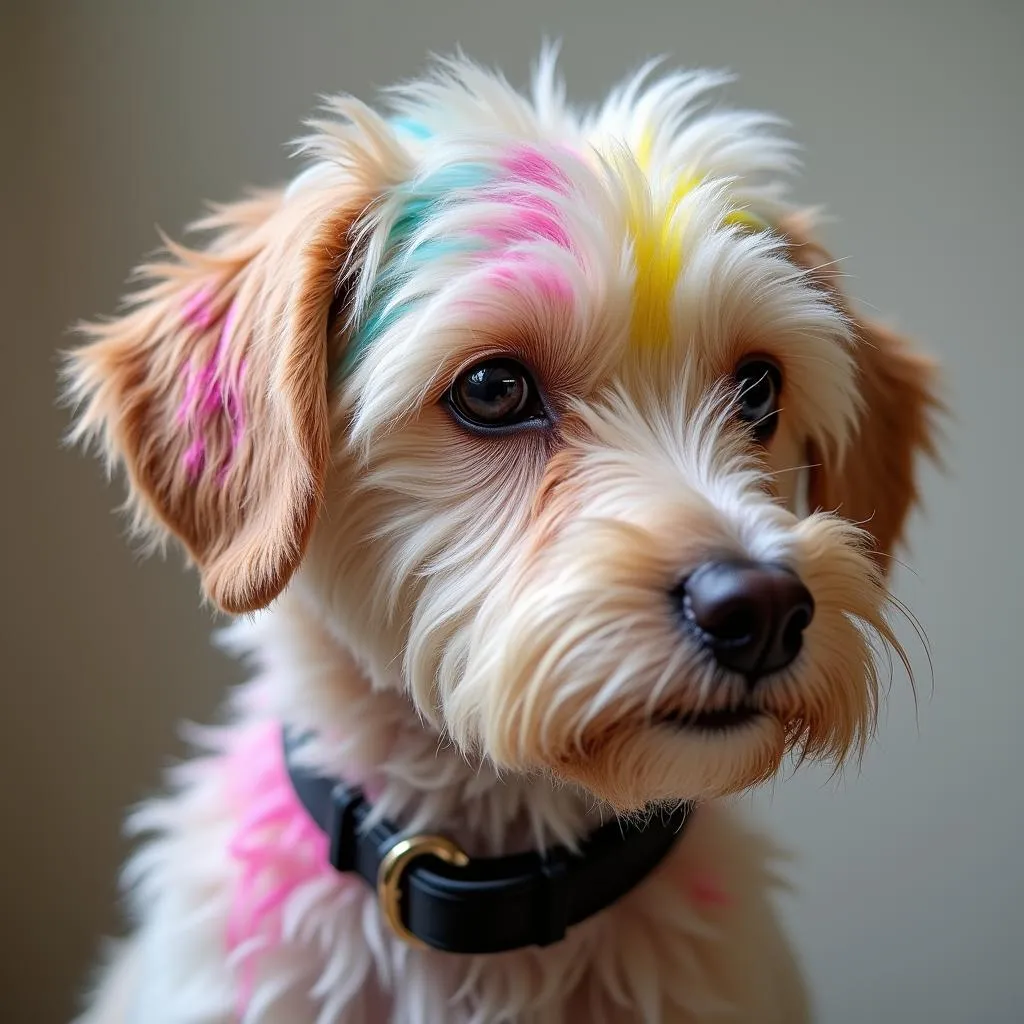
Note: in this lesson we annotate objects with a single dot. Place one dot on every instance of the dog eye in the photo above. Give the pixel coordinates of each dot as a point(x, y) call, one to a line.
point(496, 393)
point(760, 382)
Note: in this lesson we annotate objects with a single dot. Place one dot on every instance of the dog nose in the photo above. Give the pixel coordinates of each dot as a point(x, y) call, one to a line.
point(751, 615)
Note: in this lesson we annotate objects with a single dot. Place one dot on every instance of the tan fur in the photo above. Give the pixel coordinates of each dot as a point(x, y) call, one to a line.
point(874, 483)
point(244, 522)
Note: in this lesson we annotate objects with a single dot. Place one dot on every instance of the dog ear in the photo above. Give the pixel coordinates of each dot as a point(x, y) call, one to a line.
point(873, 482)
point(212, 388)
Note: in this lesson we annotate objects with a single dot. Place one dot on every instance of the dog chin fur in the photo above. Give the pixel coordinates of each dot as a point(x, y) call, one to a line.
point(478, 629)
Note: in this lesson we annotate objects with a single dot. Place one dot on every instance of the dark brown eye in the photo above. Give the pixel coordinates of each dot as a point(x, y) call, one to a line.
point(760, 384)
point(494, 394)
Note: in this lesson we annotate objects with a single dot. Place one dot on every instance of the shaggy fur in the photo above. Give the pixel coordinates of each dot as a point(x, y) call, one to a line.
point(478, 628)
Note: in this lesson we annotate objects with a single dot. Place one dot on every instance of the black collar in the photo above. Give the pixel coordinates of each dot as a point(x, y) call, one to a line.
point(433, 894)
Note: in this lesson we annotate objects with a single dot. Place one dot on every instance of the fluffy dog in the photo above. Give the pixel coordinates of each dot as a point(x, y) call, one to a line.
point(498, 429)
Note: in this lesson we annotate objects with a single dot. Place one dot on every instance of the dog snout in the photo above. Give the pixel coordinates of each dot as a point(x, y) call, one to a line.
point(750, 615)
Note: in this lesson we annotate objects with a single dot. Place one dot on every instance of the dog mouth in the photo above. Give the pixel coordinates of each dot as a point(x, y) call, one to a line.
point(715, 720)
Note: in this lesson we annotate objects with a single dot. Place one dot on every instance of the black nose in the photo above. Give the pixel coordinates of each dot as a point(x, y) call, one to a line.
point(751, 615)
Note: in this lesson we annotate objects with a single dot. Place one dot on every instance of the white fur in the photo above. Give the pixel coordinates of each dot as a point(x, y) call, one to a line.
point(656, 956)
point(459, 644)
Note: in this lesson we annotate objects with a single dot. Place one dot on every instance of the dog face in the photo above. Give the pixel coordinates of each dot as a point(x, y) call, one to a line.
point(520, 403)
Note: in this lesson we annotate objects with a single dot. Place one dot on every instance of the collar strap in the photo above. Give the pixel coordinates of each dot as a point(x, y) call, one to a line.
point(433, 894)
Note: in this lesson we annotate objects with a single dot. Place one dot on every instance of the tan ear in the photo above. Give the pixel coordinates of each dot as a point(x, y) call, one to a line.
point(211, 389)
point(874, 483)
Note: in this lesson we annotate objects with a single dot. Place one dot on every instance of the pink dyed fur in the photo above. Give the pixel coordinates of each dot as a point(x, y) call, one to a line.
point(530, 217)
point(210, 391)
point(278, 848)
point(549, 281)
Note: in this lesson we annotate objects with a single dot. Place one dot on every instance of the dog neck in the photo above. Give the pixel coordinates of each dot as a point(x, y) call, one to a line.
point(367, 733)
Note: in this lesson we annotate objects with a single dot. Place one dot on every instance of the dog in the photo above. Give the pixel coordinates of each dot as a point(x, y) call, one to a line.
point(552, 480)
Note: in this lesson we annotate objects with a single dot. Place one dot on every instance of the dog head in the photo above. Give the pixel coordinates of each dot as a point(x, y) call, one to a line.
point(521, 401)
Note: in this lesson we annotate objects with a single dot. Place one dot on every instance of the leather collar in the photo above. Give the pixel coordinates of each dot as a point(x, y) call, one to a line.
point(434, 895)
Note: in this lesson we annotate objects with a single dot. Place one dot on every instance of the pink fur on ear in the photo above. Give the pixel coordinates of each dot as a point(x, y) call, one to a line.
point(875, 482)
point(211, 390)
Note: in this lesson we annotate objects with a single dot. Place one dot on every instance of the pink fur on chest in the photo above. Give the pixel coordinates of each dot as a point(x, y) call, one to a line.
point(276, 845)
point(278, 853)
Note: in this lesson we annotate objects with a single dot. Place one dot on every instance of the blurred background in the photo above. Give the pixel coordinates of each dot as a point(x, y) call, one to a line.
point(119, 117)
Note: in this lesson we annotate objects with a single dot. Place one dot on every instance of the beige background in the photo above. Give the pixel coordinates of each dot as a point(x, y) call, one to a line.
point(121, 116)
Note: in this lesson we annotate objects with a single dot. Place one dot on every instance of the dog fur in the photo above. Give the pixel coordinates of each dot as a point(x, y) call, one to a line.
point(477, 627)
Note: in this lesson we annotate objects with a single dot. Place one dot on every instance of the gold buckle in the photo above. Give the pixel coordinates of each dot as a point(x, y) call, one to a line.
point(392, 867)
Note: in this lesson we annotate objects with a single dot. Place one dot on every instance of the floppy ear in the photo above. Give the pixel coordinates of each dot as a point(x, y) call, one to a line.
point(212, 388)
point(874, 481)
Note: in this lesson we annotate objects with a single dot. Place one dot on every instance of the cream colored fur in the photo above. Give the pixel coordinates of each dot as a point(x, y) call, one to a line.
point(478, 628)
